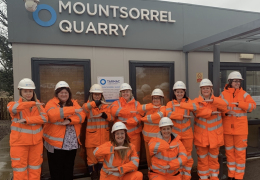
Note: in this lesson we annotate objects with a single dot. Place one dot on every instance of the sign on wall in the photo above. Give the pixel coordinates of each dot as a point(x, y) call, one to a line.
point(111, 87)
point(199, 77)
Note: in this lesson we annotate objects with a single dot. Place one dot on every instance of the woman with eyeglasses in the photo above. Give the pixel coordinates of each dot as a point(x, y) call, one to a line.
point(236, 125)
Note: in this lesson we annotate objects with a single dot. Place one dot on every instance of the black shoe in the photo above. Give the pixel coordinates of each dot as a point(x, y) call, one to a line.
point(94, 175)
point(229, 178)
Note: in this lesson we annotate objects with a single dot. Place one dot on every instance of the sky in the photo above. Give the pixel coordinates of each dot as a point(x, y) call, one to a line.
point(246, 5)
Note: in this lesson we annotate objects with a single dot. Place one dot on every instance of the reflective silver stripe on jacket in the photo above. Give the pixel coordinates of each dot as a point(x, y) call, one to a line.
point(14, 109)
point(249, 107)
point(80, 118)
point(168, 159)
point(133, 129)
point(199, 125)
point(122, 119)
point(97, 126)
point(194, 106)
point(181, 122)
point(245, 95)
point(61, 113)
point(149, 134)
point(28, 131)
point(89, 106)
point(15, 159)
point(202, 119)
point(94, 120)
point(53, 138)
point(151, 124)
point(214, 120)
point(237, 108)
point(229, 108)
point(181, 130)
point(240, 114)
point(144, 107)
point(50, 109)
point(156, 147)
point(159, 169)
point(118, 110)
point(110, 172)
point(94, 152)
point(43, 119)
point(215, 127)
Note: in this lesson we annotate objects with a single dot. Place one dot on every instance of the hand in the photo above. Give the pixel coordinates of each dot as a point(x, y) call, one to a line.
point(104, 115)
point(231, 113)
point(113, 170)
point(99, 115)
point(78, 110)
point(165, 167)
point(176, 105)
point(215, 112)
point(21, 121)
point(234, 103)
point(186, 116)
point(65, 122)
point(37, 103)
point(156, 106)
point(208, 100)
point(120, 147)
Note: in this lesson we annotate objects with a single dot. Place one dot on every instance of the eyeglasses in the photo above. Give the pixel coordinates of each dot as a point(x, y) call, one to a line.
point(156, 98)
point(237, 81)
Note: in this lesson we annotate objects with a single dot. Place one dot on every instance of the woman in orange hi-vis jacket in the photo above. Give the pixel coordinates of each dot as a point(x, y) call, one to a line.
point(168, 153)
point(182, 124)
point(62, 133)
point(152, 114)
point(26, 145)
point(236, 125)
point(125, 110)
point(97, 132)
point(120, 158)
point(208, 129)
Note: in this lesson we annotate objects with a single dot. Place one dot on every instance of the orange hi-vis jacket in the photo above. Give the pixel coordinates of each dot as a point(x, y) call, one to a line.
point(151, 119)
point(97, 131)
point(29, 133)
point(112, 159)
point(237, 124)
point(182, 126)
point(163, 155)
point(208, 129)
point(121, 110)
point(54, 132)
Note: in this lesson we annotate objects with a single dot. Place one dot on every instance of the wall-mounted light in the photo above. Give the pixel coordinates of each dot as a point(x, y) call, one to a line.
point(246, 56)
point(31, 5)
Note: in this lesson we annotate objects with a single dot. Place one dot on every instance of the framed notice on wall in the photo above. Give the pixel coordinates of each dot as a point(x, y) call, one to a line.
point(111, 87)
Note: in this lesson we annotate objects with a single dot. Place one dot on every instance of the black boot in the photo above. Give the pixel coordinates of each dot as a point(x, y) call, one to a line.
point(93, 172)
point(231, 178)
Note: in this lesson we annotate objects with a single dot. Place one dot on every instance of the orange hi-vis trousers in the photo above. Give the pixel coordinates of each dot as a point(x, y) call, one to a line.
point(208, 165)
point(27, 161)
point(186, 168)
point(136, 140)
point(235, 146)
point(148, 157)
point(136, 175)
point(91, 159)
point(155, 176)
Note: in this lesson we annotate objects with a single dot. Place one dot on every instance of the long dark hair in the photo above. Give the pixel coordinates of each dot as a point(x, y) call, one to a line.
point(122, 152)
point(69, 101)
point(185, 96)
point(229, 85)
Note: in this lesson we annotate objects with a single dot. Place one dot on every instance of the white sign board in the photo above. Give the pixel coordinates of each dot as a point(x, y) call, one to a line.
point(111, 87)
point(256, 99)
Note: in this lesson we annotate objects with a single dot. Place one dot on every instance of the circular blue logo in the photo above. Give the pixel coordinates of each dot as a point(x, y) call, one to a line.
point(45, 23)
point(103, 81)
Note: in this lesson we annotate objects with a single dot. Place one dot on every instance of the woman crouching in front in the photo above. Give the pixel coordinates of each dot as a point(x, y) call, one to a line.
point(167, 152)
point(120, 157)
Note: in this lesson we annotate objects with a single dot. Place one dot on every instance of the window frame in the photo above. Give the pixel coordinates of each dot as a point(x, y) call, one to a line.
point(35, 67)
point(165, 64)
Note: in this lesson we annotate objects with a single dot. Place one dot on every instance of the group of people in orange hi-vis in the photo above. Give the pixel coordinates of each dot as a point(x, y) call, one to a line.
point(113, 154)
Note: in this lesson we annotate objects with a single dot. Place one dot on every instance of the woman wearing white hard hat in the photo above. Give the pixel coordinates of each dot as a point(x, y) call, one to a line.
point(208, 130)
point(26, 143)
point(236, 125)
point(120, 158)
point(61, 134)
point(181, 118)
point(168, 153)
point(97, 132)
point(125, 110)
point(152, 114)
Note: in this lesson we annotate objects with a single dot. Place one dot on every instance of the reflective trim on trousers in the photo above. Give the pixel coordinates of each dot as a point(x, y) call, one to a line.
point(28, 131)
point(183, 154)
point(239, 114)
point(229, 148)
point(240, 149)
point(205, 155)
point(15, 159)
point(189, 157)
point(213, 174)
point(110, 172)
point(185, 173)
point(214, 170)
point(186, 168)
point(53, 138)
point(203, 172)
point(97, 126)
point(20, 169)
point(149, 134)
point(237, 170)
point(215, 127)
point(204, 177)
point(35, 167)
point(80, 118)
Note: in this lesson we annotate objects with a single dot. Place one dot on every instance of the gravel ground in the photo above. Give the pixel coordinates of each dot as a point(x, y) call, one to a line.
point(4, 128)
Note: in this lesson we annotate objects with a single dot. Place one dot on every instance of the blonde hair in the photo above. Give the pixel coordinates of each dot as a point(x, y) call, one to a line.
point(131, 96)
point(34, 98)
point(212, 92)
point(90, 98)
point(122, 152)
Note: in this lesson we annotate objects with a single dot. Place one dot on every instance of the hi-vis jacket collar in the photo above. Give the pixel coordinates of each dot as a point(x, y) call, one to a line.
point(177, 137)
point(57, 101)
point(123, 101)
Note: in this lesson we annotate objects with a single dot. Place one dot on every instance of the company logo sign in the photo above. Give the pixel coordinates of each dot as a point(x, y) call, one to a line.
point(45, 23)
point(103, 81)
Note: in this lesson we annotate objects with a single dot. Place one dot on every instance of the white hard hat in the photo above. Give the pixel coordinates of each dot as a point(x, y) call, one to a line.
point(61, 84)
point(125, 86)
point(165, 121)
point(96, 88)
point(31, 5)
point(157, 92)
point(146, 88)
point(118, 126)
point(26, 83)
point(179, 85)
point(205, 82)
point(235, 75)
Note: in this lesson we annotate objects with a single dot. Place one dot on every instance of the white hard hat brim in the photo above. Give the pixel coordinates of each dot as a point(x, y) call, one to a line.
point(26, 87)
